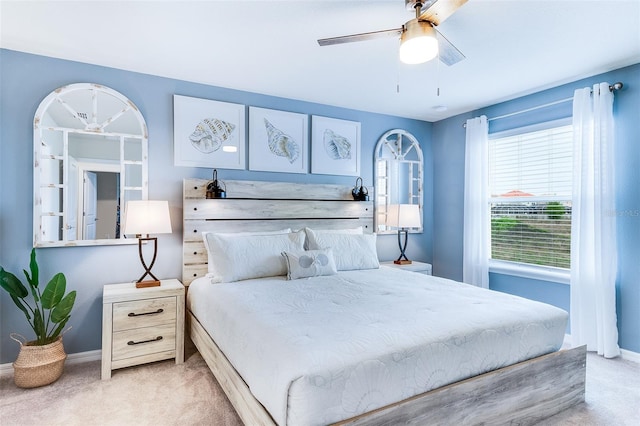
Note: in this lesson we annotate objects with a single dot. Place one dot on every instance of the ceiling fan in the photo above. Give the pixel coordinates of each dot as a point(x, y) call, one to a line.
point(419, 40)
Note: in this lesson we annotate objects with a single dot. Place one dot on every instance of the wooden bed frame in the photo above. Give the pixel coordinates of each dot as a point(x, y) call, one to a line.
point(523, 394)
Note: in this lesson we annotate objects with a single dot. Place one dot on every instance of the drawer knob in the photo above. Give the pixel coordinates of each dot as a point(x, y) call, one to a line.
point(131, 342)
point(133, 314)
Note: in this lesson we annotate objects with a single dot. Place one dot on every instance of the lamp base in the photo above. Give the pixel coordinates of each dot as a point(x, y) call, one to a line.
point(402, 259)
point(155, 282)
point(144, 284)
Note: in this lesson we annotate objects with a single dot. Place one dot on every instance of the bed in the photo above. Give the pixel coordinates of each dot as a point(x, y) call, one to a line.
point(436, 366)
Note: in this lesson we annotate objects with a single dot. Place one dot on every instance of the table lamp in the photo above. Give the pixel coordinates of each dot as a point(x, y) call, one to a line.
point(403, 216)
point(146, 217)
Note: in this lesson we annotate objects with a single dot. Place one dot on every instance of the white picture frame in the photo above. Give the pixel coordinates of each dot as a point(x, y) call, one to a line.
point(208, 133)
point(278, 141)
point(335, 146)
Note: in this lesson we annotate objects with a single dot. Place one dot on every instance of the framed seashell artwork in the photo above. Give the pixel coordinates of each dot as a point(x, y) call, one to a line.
point(335, 146)
point(278, 141)
point(208, 133)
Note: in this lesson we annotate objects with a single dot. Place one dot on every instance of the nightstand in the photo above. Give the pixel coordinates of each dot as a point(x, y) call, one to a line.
point(419, 267)
point(141, 325)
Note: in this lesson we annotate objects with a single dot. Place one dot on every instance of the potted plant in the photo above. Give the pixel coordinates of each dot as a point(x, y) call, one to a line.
point(47, 310)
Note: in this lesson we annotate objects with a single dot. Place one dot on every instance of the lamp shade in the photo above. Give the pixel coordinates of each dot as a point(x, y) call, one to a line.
point(418, 42)
point(403, 216)
point(147, 217)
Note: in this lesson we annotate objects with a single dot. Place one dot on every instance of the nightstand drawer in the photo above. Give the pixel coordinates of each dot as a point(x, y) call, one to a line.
point(143, 313)
point(143, 341)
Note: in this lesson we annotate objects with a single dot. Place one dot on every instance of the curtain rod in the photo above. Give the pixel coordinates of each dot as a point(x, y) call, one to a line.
point(612, 87)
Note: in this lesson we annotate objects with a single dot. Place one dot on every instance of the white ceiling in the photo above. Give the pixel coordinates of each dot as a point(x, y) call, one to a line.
point(512, 47)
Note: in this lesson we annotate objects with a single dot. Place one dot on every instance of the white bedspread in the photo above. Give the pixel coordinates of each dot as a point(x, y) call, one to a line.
point(315, 351)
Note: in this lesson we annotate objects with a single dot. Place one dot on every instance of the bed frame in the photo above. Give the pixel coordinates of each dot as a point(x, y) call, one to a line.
point(523, 394)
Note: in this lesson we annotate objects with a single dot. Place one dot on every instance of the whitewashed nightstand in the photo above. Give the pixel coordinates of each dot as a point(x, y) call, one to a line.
point(419, 267)
point(141, 325)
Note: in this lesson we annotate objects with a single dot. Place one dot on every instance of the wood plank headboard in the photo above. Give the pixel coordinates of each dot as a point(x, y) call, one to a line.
point(263, 206)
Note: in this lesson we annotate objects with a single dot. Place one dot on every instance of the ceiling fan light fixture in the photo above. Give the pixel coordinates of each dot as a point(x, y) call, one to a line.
point(418, 42)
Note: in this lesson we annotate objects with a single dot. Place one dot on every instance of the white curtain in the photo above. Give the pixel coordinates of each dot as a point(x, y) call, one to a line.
point(475, 254)
point(593, 227)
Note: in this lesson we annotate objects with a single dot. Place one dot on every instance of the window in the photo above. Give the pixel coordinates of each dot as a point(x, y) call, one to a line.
point(530, 185)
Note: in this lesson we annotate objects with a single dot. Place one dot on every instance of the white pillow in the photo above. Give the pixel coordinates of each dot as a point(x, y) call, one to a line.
point(350, 251)
point(211, 254)
point(310, 263)
point(243, 257)
point(350, 231)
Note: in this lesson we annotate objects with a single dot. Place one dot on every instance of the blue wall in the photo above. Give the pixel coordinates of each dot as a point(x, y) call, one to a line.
point(448, 152)
point(27, 79)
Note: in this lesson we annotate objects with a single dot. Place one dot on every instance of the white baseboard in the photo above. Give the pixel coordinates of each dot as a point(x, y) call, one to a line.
point(77, 358)
point(624, 353)
point(630, 356)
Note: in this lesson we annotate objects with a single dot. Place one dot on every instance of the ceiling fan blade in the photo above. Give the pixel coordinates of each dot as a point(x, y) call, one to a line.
point(360, 37)
point(440, 10)
point(449, 54)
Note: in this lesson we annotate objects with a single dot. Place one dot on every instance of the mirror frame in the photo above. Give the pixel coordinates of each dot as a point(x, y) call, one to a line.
point(91, 128)
point(397, 144)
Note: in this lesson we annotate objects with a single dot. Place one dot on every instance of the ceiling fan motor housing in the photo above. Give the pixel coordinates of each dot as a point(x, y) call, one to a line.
point(411, 4)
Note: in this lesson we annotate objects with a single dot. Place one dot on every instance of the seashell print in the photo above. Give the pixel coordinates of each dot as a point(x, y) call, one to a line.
point(280, 143)
point(338, 147)
point(210, 133)
point(309, 261)
point(367, 387)
point(432, 365)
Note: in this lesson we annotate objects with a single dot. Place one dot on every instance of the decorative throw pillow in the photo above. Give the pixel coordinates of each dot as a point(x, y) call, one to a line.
point(350, 251)
point(310, 263)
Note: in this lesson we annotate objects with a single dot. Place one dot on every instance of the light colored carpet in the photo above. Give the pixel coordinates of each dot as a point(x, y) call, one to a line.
point(167, 394)
point(160, 393)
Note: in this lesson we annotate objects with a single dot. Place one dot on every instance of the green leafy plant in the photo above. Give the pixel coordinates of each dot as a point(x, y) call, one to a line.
point(48, 310)
point(554, 210)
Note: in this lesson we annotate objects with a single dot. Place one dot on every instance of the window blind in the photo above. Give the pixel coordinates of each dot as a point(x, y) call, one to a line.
point(530, 185)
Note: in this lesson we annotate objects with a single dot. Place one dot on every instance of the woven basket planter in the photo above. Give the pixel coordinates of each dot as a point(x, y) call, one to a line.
point(38, 365)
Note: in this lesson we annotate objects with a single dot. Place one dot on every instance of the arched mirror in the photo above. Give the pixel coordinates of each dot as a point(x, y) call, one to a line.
point(398, 173)
point(90, 158)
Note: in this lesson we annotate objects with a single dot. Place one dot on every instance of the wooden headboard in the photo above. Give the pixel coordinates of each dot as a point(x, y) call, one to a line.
point(263, 206)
